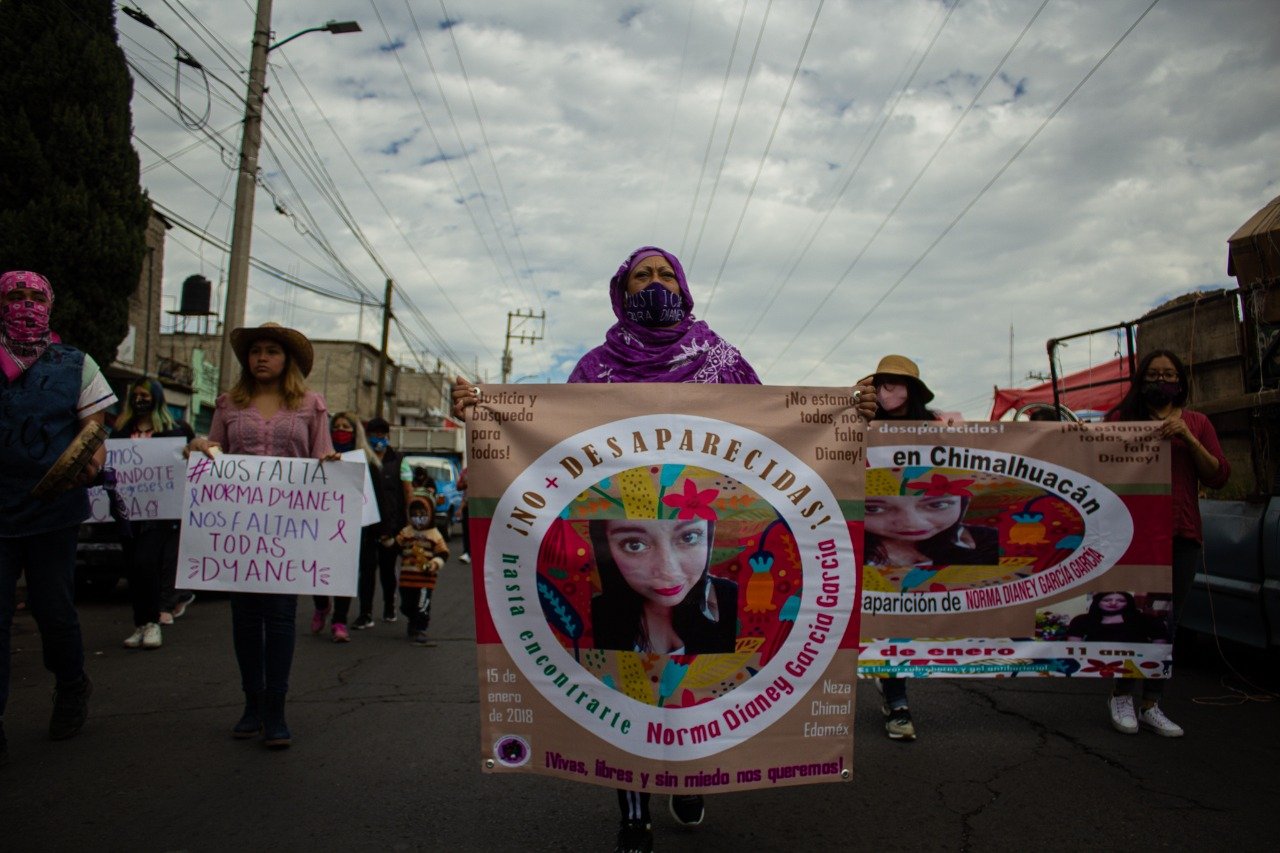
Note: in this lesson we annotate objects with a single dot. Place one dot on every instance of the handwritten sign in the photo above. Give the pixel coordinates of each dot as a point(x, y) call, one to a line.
point(148, 478)
point(370, 514)
point(266, 524)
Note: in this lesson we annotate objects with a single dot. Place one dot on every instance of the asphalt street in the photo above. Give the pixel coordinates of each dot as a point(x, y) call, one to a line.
point(386, 756)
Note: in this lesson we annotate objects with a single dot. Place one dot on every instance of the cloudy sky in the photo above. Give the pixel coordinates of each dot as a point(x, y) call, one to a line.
point(842, 178)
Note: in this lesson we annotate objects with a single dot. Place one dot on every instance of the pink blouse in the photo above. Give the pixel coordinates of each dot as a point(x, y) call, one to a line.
point(302, 432)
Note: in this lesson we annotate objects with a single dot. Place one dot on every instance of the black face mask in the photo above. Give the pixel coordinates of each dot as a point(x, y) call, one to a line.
point(143, 407)
point(1157, 395)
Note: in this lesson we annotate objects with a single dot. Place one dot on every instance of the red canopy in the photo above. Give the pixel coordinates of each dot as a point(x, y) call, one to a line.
point(1078, 391)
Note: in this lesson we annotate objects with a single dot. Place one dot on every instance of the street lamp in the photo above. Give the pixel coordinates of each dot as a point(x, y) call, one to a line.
point(246, 182)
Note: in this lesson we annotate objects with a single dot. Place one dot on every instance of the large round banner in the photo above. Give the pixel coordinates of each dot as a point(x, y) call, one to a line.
point(672, 584)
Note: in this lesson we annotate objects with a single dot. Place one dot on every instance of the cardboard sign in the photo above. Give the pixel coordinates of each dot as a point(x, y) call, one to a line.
point(148, 478)
point(666, 583)
point(266, 524)
point(370, 514)
point(1000, 548)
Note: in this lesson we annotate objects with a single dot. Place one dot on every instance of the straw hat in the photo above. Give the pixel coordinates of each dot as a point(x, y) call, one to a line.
point(294, 342)
point(903, 367)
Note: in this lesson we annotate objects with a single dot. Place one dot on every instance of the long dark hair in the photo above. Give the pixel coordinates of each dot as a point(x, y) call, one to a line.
point(942, 548)
point(1132, 407)
point(916, 409)
point(618, 609)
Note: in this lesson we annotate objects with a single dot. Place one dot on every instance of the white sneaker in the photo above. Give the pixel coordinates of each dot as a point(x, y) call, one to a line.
point(1123, 717)
point(1154, 719)
point(134, 640)
point(465, 558)
point(150, 636)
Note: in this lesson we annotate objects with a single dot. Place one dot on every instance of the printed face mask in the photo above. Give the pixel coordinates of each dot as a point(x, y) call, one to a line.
point(26, 321)
point(892, 396)
point(379, 443)
point(418, 520)
point(654, 306)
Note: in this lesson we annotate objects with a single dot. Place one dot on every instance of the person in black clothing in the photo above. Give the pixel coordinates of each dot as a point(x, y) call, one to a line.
point(152, 553)
point(657, 594)
point(390, 495)
point(1115, 617)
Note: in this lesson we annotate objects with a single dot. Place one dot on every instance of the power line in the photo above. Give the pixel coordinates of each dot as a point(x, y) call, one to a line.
point(733, 125)
point(764, 157)
point(983, 191)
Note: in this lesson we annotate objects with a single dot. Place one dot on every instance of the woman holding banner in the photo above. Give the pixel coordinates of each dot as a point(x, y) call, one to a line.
point(655, 339)
point(901, 395)
point(1158, 392)
point(152, 554)
point(268, 412)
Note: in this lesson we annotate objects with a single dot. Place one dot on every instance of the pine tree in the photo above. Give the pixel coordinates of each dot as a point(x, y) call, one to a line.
point(71, 206)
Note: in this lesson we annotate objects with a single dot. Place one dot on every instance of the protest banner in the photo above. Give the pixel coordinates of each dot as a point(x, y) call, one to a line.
point(148, 479)
point(666, 583)
point(267, 524)
point(997, 549)
point(369, 514)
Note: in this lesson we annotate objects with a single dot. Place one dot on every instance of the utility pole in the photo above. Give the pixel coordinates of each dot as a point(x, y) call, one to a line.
point(246, 183)
point(386, 331)
point(247, 178)
point(521, 335)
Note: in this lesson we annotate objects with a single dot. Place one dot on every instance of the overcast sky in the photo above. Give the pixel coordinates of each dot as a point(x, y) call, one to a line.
point(832, 193)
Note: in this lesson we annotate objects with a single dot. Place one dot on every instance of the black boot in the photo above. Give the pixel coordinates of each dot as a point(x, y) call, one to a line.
point(70, 708)
point(251, 720)
point(275, 731)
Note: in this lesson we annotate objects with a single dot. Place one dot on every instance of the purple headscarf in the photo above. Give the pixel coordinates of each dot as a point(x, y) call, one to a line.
point(686, 352)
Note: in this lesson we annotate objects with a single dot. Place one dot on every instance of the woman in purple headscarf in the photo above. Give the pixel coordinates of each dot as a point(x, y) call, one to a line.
point(656, 339)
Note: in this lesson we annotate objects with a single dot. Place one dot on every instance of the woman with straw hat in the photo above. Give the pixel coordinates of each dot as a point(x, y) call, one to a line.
point(268, 412)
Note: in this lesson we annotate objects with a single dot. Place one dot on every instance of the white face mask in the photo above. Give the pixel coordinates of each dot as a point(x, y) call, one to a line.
point(892, 396)
point(418, 520)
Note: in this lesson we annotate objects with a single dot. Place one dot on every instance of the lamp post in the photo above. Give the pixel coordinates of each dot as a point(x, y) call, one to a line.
point(246, 181)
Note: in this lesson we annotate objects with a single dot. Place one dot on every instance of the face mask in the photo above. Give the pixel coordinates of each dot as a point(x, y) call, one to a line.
point(26, 322)
point(892, 397)
point(143, 406)
point(343, 439)
point(418, 520)
point(379, 443)
point(1160, 394)
point(654, 306)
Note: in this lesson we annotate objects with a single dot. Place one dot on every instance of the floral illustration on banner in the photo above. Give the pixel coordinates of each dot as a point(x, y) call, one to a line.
point(751, 548)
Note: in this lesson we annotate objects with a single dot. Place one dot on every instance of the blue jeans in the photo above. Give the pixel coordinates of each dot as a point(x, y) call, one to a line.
point(50, 563)
point(262, 628)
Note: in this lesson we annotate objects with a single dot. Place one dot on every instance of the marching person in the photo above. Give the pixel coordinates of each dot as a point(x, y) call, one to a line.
point(49, 392)
point(1158, 392)
point(655, 339)
point(268, 412)
point(152, 554)
point(390, 495)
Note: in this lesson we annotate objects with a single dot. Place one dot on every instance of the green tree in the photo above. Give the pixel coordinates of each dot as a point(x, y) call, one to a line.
point(71, 206)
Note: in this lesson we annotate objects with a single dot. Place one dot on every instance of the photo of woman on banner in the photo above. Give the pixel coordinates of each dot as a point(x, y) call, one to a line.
point(927, 531)
point(658, 594)
point(1115, 617)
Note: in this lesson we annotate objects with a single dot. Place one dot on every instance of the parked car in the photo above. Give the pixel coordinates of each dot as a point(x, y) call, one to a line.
point(444, 473)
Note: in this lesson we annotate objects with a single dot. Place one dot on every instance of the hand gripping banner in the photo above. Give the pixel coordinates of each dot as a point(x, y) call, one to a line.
point(666, 583)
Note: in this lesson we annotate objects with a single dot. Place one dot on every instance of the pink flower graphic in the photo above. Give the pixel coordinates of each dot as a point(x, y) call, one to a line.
point(693, 503)
point(939, 485)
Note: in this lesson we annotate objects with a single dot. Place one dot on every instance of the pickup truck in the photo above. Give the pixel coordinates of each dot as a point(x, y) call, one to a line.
point(1236, 594)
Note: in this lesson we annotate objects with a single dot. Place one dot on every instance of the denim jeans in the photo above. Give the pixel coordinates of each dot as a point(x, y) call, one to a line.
point(262, 627)
point(49, 560)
